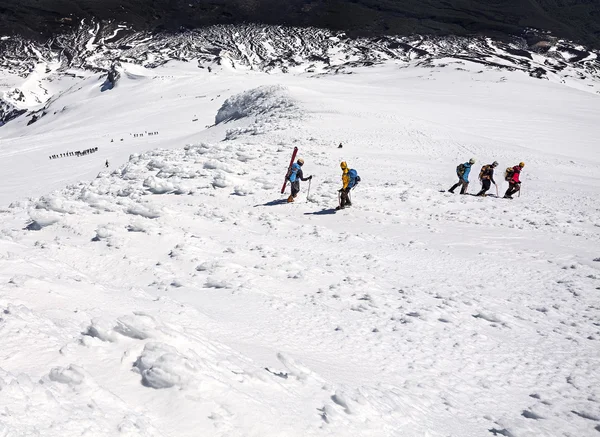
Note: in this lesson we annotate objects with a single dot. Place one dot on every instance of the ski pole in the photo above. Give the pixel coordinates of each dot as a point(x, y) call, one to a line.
point(308, 192)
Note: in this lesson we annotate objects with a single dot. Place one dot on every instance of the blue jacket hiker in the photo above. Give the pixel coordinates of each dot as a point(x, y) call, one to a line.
point(462, 171)
point(295, 175)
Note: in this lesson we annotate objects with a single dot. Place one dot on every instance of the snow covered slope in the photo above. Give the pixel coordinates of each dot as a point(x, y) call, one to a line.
point(175, 293)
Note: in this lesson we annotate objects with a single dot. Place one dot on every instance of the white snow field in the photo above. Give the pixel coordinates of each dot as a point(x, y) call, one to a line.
point(175, 293)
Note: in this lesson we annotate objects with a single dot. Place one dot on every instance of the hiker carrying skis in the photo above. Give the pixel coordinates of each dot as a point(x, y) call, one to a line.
point(349, 180)
point(514, 181)
point(295, 176)
point(462, 171)
point(486, 176)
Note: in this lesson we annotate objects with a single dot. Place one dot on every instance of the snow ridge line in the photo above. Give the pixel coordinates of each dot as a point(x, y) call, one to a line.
point(276, 48)
point(104, 47)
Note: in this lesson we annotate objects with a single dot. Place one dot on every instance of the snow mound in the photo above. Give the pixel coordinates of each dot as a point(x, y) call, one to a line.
point(41, 219)
point(162, 366)
point(71, 375)
point(143, 211)
point(270, 101)
point(267, 108)
point(101, 329)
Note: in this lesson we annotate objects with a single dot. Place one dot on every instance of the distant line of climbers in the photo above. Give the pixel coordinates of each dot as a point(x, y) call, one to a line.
point(141, 135)
point(77, 153)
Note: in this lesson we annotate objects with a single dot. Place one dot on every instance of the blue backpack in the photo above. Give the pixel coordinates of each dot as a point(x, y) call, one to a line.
point(354, 178)
point(294, 172)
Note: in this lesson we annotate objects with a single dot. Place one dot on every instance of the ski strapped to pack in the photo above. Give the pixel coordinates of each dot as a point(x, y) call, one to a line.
point(287, 175)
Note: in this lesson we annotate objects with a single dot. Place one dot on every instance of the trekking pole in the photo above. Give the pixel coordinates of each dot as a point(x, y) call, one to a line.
point(497, 195)
point(308, 192)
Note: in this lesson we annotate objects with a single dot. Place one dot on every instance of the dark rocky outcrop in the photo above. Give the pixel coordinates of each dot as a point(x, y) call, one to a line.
point(8, 112)
point(111, 78)
point(575, 20)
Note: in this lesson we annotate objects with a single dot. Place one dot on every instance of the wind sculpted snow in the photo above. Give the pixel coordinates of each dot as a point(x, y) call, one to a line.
point(175, 294)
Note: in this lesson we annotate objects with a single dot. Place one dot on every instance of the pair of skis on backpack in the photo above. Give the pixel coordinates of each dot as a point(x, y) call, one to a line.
point(289, 170)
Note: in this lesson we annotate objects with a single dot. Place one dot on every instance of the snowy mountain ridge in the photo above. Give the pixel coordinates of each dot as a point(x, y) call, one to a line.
point(100, 47)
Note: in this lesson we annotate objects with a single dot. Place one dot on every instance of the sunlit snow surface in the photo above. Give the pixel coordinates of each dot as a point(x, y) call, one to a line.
point(174, 294)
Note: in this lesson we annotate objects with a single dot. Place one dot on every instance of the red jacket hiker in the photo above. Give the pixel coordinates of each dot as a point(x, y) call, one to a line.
point(514, 184)
point(516, 172)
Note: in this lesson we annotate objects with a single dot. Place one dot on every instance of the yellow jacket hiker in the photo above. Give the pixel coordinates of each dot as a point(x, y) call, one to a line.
point(349, 180)
point(345, 177)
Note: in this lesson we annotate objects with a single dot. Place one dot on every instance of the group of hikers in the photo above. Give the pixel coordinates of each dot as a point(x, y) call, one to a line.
point(350, 179)
point(78, 153)
point(486, 176)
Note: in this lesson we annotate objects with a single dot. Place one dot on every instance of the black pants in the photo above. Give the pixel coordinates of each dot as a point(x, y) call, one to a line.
point(486, 184)
point(344, 197)
point(513, 187)
point(295, 188)
point(462, 182)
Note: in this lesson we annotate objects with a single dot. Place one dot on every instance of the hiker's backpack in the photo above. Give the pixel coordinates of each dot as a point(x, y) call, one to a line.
point(460, 170)
point(483, 171)
point(508, 174)
point(354, 178)
point(294, 172)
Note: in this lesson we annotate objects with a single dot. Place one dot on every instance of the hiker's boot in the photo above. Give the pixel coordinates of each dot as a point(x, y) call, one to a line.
point(290, 199)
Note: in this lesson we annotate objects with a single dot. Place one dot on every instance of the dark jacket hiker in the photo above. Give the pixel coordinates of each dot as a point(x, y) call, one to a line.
point(486, 176)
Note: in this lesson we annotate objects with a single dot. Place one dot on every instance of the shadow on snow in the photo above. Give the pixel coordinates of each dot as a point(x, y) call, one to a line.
point(322, 212)
point(273, 203)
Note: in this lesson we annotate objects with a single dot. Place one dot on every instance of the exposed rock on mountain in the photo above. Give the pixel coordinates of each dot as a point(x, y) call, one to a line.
point(576, 19)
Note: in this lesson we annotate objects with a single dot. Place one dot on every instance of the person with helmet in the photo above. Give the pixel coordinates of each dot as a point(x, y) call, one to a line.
point(486, 176)
point(514, 180)
point(462, 171)
point(350, 180)
point(295, 176)
point(345, 190)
